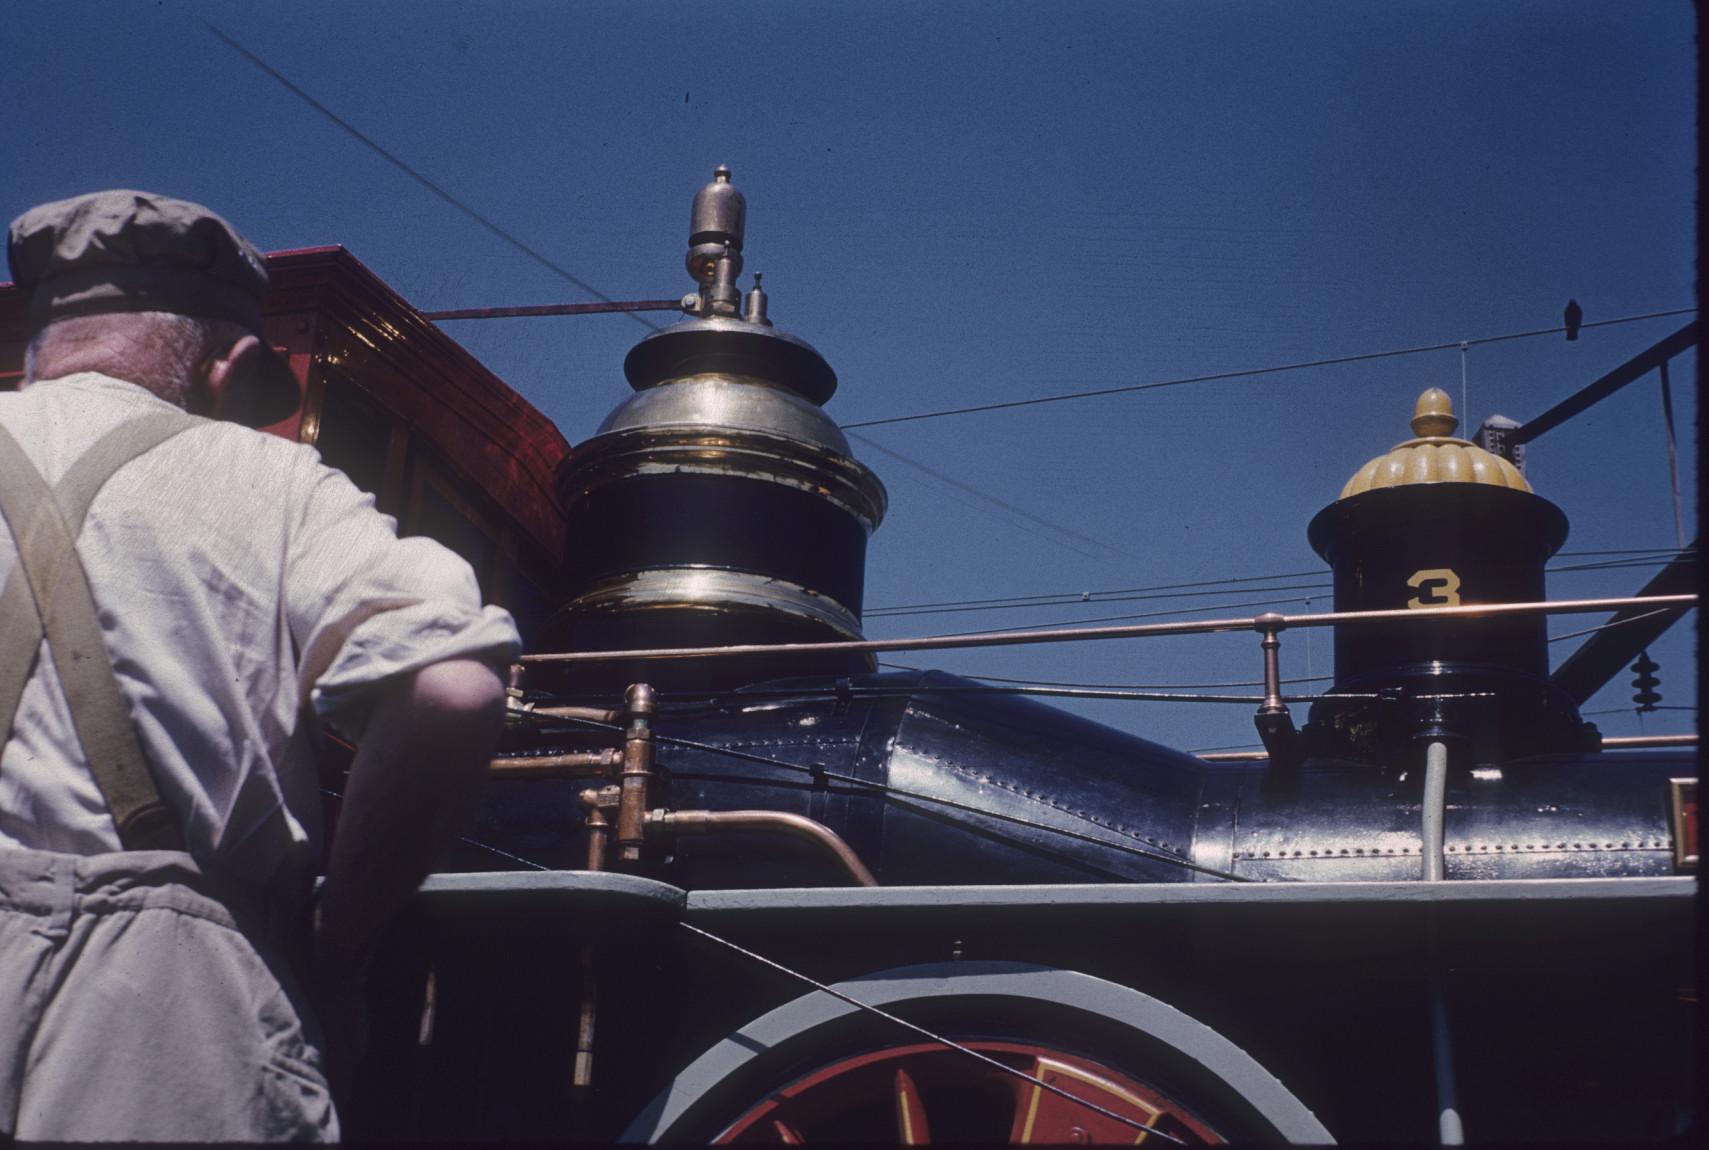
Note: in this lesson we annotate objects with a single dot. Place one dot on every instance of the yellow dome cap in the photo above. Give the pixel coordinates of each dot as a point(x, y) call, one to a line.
point(1435, 456)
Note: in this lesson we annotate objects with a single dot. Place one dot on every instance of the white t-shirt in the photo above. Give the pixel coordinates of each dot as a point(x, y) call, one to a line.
point(215, 561)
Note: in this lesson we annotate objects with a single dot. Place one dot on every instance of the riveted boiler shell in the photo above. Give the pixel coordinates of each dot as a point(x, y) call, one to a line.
point(933, 781)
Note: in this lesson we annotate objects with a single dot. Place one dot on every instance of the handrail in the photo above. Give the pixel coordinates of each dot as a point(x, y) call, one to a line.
point(1130, 631)
point(1609, 743)
point(1638, 742)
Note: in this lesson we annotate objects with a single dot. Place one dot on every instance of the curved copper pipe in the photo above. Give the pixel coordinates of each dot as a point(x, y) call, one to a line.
point(802, 827)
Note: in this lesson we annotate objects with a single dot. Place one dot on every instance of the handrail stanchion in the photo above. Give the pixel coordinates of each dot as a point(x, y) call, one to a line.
point(1275, 724)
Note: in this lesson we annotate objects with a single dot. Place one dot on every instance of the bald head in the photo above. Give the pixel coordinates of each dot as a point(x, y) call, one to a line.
point(166, 353)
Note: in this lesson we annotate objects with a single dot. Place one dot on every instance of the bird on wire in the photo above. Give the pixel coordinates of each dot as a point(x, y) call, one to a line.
point(1574, 315)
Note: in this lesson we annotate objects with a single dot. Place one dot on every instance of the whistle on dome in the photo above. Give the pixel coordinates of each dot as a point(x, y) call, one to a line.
point(714, 259)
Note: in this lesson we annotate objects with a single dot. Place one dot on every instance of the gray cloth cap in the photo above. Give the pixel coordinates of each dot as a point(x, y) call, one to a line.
point(129, 251)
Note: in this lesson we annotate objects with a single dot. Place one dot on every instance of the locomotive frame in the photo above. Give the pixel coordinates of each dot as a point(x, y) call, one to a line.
point(1195, 989)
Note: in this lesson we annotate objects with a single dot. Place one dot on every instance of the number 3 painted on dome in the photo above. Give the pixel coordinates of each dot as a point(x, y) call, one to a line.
point(1442, 583)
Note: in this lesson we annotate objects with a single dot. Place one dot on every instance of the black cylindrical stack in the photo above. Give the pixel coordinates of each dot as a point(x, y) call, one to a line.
point(1422, 542)
point(719, 506)
point(1437, 545)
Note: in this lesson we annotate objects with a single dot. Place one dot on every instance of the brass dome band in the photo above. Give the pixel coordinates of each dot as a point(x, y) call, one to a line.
point(727, 453)
point(714, 590)
point(731, 401)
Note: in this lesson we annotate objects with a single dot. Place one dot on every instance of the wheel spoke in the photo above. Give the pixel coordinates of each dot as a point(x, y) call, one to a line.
point(968, 1101)
point(1026, 1106)
point(1053, 1118)
point(911, 1127)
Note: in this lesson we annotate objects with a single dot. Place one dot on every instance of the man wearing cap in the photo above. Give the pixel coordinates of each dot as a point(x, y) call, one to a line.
point(180, 599)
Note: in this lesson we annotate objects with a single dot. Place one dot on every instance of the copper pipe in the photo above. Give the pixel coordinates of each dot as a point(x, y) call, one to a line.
point(429, 997)
point(582, 1074)
point(1618, 742)
point(598, 830)
point(573, 765)
point(591, 714)
point(802, 827)
point(1131, 631)
point(637, 774)
point(598, 834)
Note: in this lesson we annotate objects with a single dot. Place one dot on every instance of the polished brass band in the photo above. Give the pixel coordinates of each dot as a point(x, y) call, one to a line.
point(712, 589)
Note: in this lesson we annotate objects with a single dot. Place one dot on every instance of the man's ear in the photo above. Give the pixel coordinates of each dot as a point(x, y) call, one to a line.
point(220, 393)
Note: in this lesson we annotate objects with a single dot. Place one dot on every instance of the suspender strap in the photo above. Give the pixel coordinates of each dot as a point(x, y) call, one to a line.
point(53, 599)
point(76, 491)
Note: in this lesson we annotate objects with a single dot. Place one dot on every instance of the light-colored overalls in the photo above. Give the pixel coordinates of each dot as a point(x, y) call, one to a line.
point(138, 1000)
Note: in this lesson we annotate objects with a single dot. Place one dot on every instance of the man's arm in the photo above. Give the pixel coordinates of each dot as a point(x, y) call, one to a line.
point(413, 785)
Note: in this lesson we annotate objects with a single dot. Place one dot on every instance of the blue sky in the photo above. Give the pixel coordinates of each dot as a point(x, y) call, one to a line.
point(963, 204)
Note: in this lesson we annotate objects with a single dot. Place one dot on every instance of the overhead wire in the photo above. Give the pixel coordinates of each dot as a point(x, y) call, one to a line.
point(1067, 596)
point(1108, 597)
point(1247, 373)
point(1685, 556)
point(1622, 551)
point(1645, 558)
point(564, 273)
point(1614, 623)
point(1117, 595)
point(398, 163)
point(1140, 615)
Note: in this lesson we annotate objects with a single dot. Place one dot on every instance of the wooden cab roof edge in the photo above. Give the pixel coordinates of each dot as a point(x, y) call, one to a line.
point(474, 420)
point(353, 322)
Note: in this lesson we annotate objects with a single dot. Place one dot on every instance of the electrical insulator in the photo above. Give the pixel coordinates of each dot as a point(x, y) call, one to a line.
point(1647, 697)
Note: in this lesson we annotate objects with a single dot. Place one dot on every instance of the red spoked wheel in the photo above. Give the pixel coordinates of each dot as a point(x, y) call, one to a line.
point(915, 1095)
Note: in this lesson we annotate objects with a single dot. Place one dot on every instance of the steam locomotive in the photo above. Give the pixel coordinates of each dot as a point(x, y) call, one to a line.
point(732, 883)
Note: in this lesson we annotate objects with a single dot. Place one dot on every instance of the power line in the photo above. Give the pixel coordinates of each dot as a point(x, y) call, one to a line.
point(1059, 598)
point(993, 500)
point(1623, 551)
point(1606, 626)
point(1105, 598)
point(1248, 373)
point(1624, 564)
point(403, 167)
point(1143, 615)
point(1640, 559)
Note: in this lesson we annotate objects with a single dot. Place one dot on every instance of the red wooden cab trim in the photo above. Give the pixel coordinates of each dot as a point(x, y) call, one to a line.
point(335, 320)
